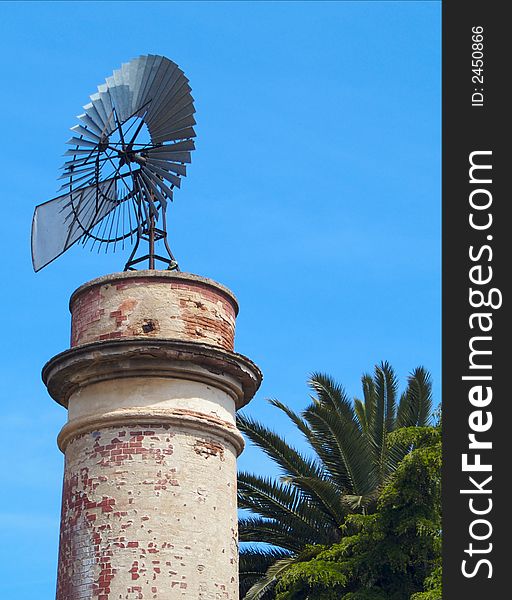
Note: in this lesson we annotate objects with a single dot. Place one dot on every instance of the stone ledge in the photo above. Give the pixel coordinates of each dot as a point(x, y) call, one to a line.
point(83, 365)
point(180, 418)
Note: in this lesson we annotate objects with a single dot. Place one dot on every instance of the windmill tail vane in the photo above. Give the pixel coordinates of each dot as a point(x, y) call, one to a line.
point(128, 153)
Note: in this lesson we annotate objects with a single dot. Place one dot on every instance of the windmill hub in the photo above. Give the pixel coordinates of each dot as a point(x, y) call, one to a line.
point(130, 156)
point(103, 144)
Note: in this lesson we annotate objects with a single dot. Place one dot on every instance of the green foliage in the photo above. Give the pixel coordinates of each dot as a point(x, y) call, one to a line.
point(391, 554)
point(355, 449)
point(432, 585)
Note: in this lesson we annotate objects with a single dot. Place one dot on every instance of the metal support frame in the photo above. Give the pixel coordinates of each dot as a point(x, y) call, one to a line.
point(152, 234)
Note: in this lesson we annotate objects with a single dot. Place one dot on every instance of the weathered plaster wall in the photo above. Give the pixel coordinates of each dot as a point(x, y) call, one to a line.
point(151, 393)
point(165, 305)
point(148, 512)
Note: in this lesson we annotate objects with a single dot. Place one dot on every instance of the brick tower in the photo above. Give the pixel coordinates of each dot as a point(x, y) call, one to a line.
point(151, 385)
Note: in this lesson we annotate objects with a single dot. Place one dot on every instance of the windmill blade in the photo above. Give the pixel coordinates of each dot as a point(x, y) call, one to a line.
point(184, 117)
point(94, 115)
point(149, 193)
point(100, 110)
point(152, 76)
point(127, 74)
point(180, 134)
point(184, 111)
point(176, 181)
point(75, 180)
point(182, 100)
point(157, 181)
point(58, 223)
point(161, 197)
point(143, 67)
point(80, 164)
point(121, 95)
point(77, 151)
point(106, 101)
point(114, 97)
point(74, 141)
point(79, 130)
point(164, 132)
point(147, 73)
point(88, 122)
point(72, 172)
point(183, 157)
point(177, 147)
point(178, 101)
point(170, 74)
point(132, 74)
point(174, 84)
point(84, 161)
point(177, 168)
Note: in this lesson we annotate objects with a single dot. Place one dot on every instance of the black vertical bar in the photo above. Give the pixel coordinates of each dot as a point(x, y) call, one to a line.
point(152, 242)
point(476, 251)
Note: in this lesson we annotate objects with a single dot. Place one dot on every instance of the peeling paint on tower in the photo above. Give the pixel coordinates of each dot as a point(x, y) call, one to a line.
point(151, 385)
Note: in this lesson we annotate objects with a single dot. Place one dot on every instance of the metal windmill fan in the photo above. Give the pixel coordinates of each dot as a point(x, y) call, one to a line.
point(128, 153)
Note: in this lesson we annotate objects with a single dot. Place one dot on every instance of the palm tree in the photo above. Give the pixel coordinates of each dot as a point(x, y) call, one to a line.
point(349, 459)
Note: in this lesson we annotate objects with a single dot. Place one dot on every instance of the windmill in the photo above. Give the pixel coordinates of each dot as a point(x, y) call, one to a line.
point(128, 152)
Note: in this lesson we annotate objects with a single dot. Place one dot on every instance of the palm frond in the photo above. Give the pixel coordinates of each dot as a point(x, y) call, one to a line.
point(386, 387)
point(369, 395)
point(332, 395)
point(390, 389)
point(298, 421)
point(254, 563)
point(290, 460)
point(342, 448)
point(292, 538)
point(415, 405)
point(319, 488)
point(371, 415)
point(325, 491)
point(360, 410)
point(281, 501)
point(257, 560)
point(421, 382)
point(268, 582)
point(339, 438)
point(323, 451)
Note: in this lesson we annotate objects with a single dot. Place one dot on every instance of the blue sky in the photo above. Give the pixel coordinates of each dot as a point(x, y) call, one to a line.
point(314, 194)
